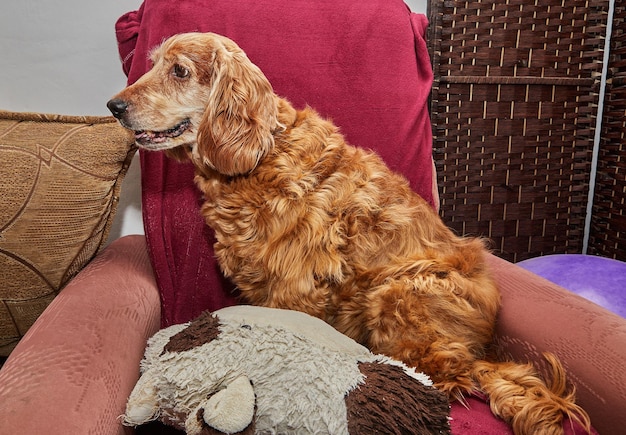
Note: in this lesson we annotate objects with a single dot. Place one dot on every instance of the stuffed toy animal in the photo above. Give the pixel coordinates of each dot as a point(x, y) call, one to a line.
point(247, 369)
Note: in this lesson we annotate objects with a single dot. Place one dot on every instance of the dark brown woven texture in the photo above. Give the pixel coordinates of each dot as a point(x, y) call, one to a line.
point(513, 109)
point(608, 224)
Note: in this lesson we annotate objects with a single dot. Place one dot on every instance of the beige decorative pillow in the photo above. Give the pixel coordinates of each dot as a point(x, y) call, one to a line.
point(60, 180)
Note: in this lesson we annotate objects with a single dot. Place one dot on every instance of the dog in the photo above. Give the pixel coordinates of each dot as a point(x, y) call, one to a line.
point(304, 221)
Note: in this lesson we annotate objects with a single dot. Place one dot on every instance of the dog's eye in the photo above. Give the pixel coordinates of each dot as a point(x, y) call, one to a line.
point(180, 71)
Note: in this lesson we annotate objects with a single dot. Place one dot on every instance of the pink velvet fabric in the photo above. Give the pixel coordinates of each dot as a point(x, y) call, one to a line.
point(74, 369)
point(539, 316)
point(364, 64)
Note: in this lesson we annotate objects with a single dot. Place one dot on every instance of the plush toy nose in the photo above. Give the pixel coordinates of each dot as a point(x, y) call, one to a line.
point(117, 107)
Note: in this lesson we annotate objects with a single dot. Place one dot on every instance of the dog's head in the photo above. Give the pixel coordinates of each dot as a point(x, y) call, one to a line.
point(203, 96)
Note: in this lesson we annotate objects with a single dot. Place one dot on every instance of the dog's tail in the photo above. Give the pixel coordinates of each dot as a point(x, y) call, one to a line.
point(518, 395)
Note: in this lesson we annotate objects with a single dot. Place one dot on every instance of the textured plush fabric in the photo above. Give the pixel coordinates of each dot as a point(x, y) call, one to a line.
point(539, 316)
point(390, 400)
point(72, 372)
point(60, 181)
point(363, 63)
point(291, 373)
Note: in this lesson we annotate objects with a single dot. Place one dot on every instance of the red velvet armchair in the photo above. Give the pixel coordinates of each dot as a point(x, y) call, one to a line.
point(72, 372)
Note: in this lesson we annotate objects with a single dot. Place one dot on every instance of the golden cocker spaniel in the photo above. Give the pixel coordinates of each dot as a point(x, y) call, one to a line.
point(305, 221)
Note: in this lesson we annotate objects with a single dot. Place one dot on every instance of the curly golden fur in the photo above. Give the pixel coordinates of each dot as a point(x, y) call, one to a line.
point(307, 222)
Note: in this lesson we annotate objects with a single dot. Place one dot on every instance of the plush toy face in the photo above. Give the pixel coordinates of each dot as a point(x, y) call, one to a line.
point(262, 370)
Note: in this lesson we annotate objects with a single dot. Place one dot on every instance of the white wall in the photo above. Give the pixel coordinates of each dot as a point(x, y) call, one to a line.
point(417, 5)
point(61, 57)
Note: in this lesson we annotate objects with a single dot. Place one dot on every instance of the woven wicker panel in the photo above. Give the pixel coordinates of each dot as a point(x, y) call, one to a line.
point(608, 230)
point(513, 109)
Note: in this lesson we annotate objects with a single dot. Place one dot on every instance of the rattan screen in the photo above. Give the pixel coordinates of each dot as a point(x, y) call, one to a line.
point(513, 109)
point(608, 229)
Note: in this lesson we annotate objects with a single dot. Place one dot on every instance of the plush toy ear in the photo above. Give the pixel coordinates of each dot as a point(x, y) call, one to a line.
point(236, 131)
point(143, 402)
point(230, 410)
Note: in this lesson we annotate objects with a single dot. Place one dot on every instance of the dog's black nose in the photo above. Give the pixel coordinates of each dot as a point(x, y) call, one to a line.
point(117, 107)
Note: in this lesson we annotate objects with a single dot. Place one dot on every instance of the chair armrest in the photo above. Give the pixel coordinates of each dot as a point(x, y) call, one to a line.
point(590, 341)
point(72, 372)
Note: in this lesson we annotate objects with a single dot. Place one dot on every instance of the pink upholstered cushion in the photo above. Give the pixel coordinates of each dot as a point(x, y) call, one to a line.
point(74, 369)
point(363, 63)
point(539, 316)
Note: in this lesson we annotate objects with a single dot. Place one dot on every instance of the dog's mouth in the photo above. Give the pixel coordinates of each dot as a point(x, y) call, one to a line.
point(147, 137)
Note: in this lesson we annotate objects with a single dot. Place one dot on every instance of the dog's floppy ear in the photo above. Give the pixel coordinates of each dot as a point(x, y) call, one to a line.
point(237, 128)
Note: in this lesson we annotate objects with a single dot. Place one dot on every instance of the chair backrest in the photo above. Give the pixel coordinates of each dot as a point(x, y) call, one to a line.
point(364, 64)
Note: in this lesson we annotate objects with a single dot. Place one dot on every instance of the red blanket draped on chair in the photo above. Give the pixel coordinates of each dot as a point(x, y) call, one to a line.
point(364, 64)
